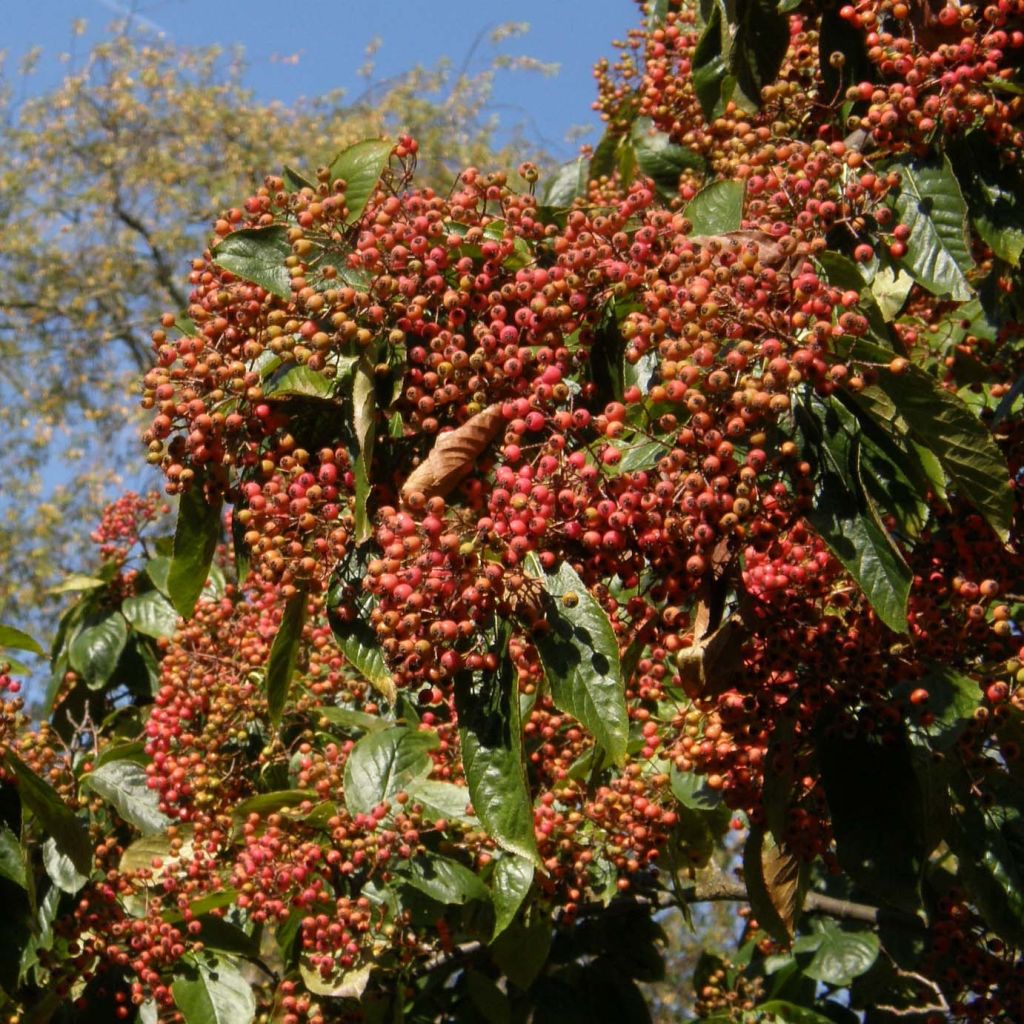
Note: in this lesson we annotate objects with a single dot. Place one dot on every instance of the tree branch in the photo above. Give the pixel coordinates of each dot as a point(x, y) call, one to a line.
point(164, 273)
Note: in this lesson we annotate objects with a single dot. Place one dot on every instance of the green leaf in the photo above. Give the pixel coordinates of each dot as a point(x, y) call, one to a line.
point(693, 792)
point(299, 380)
point(350, 984)
point(357, 638)
point(931, 205)
point(843, 517)
point(759, 45)
point(214, 992)
point(841, 272)
point(789, 1013)
point(568, 183)
point(360, 166)
point(350, 718)
point(268, 803)
point(284, 653)
point(55, 817)
point(364, 410)
point(18, 640)
point(712, 81)
point(952, 700)
point(123, 785)
point(384, 763)
point(842, 955)
point(12, 858)
point(196, 535)
point(580, 656)
point(521, 950)
point(77, 582)
point(442, 879)
point(491, 737)
point(95, 650)
point(890, 287)
point(717, 208)
point(660, 159)
point(510, 885)
point(151, 613)
point(942, 422)
point(294, 181)
point(257, 255)
point(61, 869)
point(157, 569)
point(989, 847)
point(441, 800)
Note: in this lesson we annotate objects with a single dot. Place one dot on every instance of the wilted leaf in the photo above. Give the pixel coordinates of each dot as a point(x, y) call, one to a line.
point(454, 455)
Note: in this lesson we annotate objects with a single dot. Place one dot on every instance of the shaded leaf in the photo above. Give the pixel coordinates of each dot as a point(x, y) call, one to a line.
point(284, 653)
point(257, 255)
point(442, 879)
point(299, 380)
point(61, 870)
point(490, 734)
point(842, 955)
point(196, 535)
point(350, 984)
point(660, 159)
point(55, 817)
point(12, 859)
point(568, 183)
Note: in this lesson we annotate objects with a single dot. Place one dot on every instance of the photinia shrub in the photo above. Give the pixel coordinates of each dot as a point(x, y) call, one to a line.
point(536, 537)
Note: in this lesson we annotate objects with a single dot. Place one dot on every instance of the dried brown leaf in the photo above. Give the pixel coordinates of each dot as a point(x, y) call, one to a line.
point(454, 454)
point(781, 869)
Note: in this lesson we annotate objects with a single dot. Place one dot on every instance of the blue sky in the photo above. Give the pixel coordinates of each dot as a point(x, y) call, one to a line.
point(330, 46)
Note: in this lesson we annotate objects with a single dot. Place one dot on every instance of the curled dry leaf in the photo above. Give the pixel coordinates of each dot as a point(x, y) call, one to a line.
point(778, 253)
point(781, 869)
point(712, 663)
point(454, 455)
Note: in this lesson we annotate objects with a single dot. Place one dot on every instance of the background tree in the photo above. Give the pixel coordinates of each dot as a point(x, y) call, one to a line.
point(109, 181)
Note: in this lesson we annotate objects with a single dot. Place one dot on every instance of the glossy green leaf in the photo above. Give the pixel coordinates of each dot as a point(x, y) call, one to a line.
point(61, 868)
point(295, 181)
point(196, 536)
point(151, 613)
point(157, 570)
point(510, 885)
point(268, 803)
point(442, 879)
point(660, 159)
point(257, 255)
point(55, 817)
point(712, 81)
point(284, 654)
point(716, 208)
point(299, 380)
point(568, 183)
point(931, 205)
point(214, 991)
point(952, 701)
point(97, 646)
point(843, 517)
point(842, 955)
point(10, 637)
point(989, 846)
point(441, 800)
point(360, 166)
point(123, 785)
point(693, 792)
point(357, 638)
point(12, 858)
point(580, 656)
point(384, 763)
point(491, 737)
point(760, 41)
